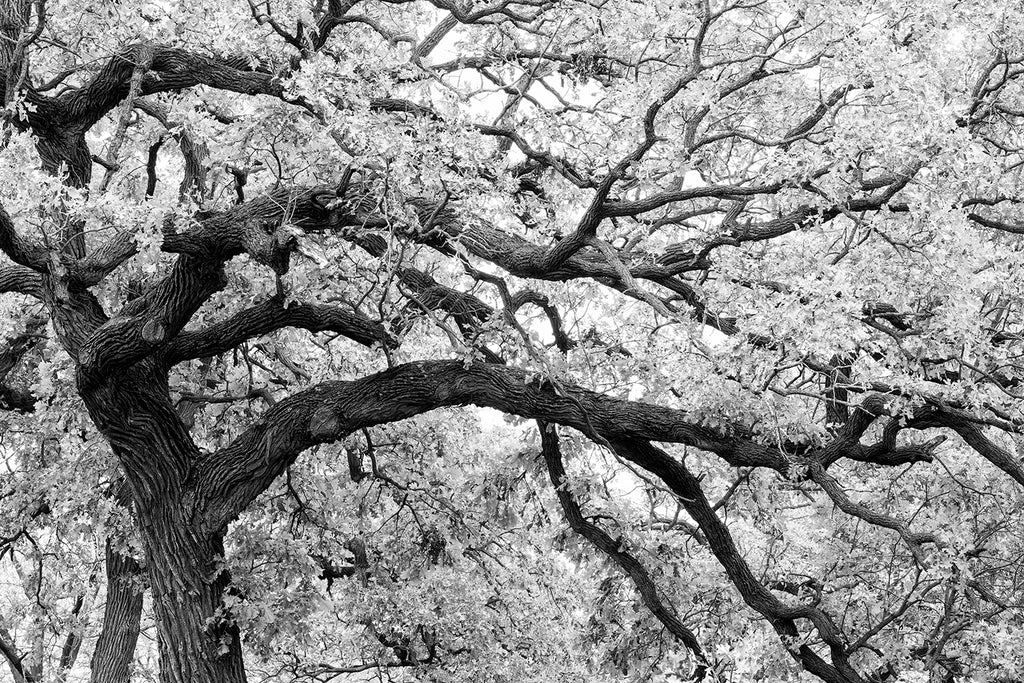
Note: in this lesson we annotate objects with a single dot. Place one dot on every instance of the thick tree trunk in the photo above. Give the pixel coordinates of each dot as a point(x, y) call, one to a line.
point(198, 642)
point(115, 649)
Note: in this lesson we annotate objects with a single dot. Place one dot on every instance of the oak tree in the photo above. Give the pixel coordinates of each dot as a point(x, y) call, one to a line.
point(742, 280)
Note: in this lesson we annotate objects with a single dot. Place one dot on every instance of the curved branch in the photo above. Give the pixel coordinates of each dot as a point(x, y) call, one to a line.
point(613, 549)
point(17, 248)
point(973, 436)
point(193, 152)
point(830, 485)
point(267, 316)
point(21, 280)
point(267, 228)
point(235, 475)
point(147, 323)
point(782, 617)
point(170, 69)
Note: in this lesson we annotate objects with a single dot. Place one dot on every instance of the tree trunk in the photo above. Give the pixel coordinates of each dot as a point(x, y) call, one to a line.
point(14, 17)
point(115, 649)
point(198, 642)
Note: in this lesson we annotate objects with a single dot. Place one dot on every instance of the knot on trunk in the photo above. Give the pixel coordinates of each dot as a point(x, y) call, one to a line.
point(326, 424)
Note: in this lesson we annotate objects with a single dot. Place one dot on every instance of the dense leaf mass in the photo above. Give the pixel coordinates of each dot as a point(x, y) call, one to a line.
point(554, 340)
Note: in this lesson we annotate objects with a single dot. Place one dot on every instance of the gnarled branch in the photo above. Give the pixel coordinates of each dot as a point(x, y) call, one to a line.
point(269, 315)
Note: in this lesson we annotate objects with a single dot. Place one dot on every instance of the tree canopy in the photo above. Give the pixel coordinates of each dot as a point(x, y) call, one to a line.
point(517, 340)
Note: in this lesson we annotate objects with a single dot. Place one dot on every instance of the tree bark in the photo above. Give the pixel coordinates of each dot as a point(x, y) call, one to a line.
point(115, 649)
point(65, 150)
point(198, 642)
point(14, 17)
point(197, 639)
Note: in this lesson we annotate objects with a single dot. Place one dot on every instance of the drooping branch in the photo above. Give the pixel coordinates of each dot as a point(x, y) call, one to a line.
point(830, 485)
point(973, 436)
point(613, 550)
point(782, 617)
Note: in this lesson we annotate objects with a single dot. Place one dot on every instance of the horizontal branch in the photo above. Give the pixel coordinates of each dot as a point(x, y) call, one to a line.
point(21, 280)
point(170, 69)
point(235, 475)
point(255, 227)
point(636, 207)
point(269, 315)
point(522, 258)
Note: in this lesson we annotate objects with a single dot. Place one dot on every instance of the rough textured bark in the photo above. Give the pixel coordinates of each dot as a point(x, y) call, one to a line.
point(14, 19)
point(197, 640)
point(115, 649)
point(122, 614)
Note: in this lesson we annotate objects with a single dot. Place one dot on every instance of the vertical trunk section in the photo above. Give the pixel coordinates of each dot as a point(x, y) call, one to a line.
point(198, 642)
point(14, 17)
point(115, 649)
